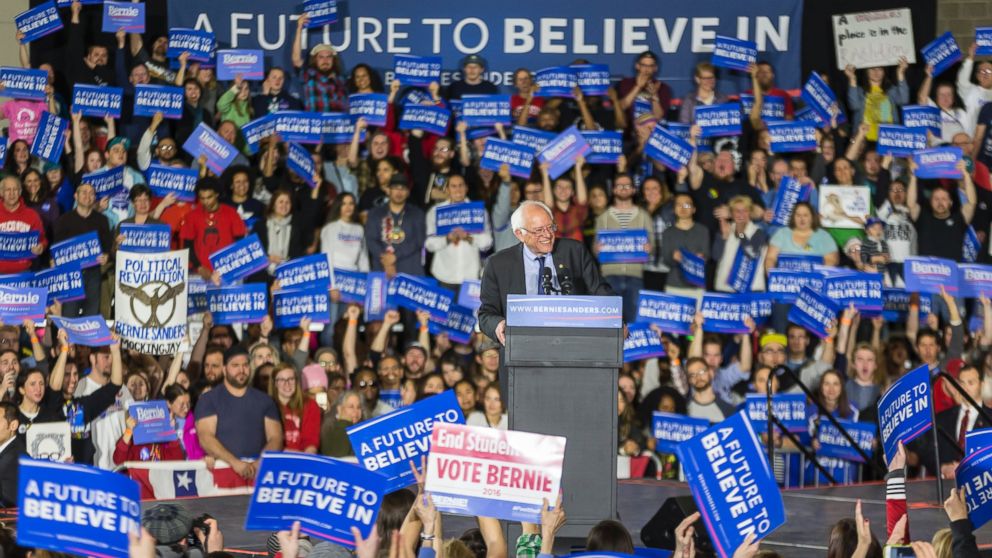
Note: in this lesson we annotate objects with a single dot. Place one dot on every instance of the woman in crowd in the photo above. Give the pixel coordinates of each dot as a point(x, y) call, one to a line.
point(953, 117)
point(127, 450)
point(879, 101)
point(285, 232)
point(493, 414)
point(37, 195)
point(300, 414)
point(237, 182)
point(659, 203)
point(740, 245)
point(803, 236)
point(347, 412)
point(465, 392)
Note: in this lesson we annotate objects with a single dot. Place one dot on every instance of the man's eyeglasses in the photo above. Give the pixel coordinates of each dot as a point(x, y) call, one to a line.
point(367, 384)
point(623, 186)
point(541, 231)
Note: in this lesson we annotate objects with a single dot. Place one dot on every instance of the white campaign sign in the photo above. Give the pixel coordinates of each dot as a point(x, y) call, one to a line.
point(869, 39)
point(151, 300)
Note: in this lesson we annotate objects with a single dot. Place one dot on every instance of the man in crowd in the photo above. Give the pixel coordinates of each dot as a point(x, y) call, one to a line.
point(703, 402)
point(626, 279)
point(473, 81)
point(323, 88)
point(209, 227)
point(395, 232)
point(15, 216)
point(84, 219)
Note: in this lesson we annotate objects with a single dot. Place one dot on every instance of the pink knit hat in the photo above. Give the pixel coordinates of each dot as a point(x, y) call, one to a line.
point(314, 376)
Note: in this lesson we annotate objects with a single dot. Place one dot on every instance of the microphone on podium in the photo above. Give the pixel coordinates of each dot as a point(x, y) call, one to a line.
point(546, 283)
point(564, 280)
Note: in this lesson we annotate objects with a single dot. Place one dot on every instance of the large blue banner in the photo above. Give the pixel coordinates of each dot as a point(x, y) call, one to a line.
point(904, 410)
point(238, 303)
point(972, 477)
point(671, 429)
point(77, 509)
point(517, 33)
point(389, 443)
point(673, 313)
point(327, 496)
point(732, 484)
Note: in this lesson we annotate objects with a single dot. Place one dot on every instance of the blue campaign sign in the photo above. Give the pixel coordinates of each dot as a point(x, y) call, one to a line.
point(904, 410)
point(983, 41)
point(49, 141)
point(558, 311)
point(82, 250)
point(788, 408)
point(971, 246)
point(389, 443)
point(725, 313)
point(167, 99)
point(459, 325)
point(300, 162)
point(973, 476)
point(37, 22)
point(976, 440)
point(938, 162)
point(75, 508)
point(376, 295)
point(352, 285)
point(607, 147)
point(641, 343)
point(18, 304)
point(668, 148)
point(792, 137)
point(313, 270)
point(107, 183)
point(98, 100)
point(468, 216)
point(789, 192)
point(941, 53)
point(760, 306)
point(417, 71)
point(718, 120)
point(199, 44)
point(592, 79)
point(91, 331)
point(560, 153)
point(863, 290)
point(557, 81)
point(248, 63)
point(976, 280)
point(673, 313)
point(238, 303)
point(922, 116)
point(900, 141)
point(772, 107)
point(813, 311)
point(164, 180)
point(693, 268)
point(320, 12)
point(742, 270)
point(205, 141)
point(785, 284)
point(469, 293)
point(622, 246)
point(338, 127)
point(928, 275)
point(486, 110)
point(24, 83)
point(373, 107)
point(18, 245)
point(732, 484)
point(429, 118)
point(834, 444)
point(672, 429)
point(411, 293)
point(519, 158)
point(260, 128)
point(63, 283)
point(123, 15)
point(239, 260)
point(417, 97)
point(799, 262)
point(154, 423)
point(145, 238)
point(17, 280)
point(534, 139)
point(196, 294)
point(292, 305)
point(818, 96)
point(327, 496)
point(297, 126)
point(895, 305)
point(735, 54)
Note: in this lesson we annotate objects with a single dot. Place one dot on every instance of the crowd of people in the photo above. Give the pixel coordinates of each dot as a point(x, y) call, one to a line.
point(247, 389)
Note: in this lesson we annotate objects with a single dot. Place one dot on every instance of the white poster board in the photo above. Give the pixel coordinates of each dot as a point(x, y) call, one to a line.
point(844, 207)
point(49, 441)
point(870, 39)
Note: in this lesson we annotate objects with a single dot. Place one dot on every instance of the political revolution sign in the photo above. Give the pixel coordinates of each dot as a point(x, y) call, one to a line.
point(150, 300)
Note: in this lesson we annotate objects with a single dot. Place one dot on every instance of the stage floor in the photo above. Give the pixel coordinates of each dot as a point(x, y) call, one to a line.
point(811, 513)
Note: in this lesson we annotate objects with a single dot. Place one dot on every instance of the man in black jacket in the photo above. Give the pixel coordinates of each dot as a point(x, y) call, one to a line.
point(955, 422)
point(11, 448)
point(519, 269)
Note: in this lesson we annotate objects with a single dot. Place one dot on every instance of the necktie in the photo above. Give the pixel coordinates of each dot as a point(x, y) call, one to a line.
point(540, 275)
point(963, 429)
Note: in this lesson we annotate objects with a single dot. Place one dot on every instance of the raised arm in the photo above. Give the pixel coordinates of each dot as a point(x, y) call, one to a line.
point(116, 364)
point(174, 368)
point(298, 42)
point(78, 157)
point(350, 340)
point(464, 153)
point(57, 377)
point(968, 207)
point(695, 171)
point(759, 99)
point(356, 142)
point(923, 95)
point(857, 144)
point(581, 193)
point(911, 193)
point(549, 199)
point(390, 319)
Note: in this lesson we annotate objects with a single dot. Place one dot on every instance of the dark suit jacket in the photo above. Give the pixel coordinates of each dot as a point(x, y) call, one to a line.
point(504, 275)
point(947, 420)
point(8, 472)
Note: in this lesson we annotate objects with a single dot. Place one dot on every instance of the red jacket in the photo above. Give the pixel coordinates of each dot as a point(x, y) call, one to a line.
point(301, 432)
point(21, 219)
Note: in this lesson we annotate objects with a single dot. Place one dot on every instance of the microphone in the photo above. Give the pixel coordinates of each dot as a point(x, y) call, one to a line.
point(546, 282)
point(564, 280)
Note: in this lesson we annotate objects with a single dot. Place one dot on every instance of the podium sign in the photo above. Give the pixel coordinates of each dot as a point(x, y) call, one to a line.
point(564, 311)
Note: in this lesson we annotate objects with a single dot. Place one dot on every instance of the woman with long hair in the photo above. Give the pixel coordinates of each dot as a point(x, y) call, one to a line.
point(493, 414)
point(38, 196)
point(878, 100)
point(19, 158)
point(300, 414)
point(284, 232)
point(830, 399)
point(803, 236)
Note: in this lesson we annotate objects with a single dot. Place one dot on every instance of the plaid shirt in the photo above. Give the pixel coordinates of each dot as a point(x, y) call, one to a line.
point(324, 93)
point(528, 546)
point(570, 222)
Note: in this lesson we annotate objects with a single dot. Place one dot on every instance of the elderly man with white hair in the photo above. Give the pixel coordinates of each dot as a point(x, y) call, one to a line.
point(537, 265)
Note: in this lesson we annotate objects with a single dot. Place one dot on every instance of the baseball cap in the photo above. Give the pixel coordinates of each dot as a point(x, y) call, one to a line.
point(473, 59)
point(323, 47)
point(873, 221)
point(398, 180)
